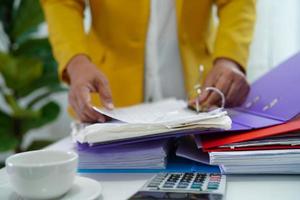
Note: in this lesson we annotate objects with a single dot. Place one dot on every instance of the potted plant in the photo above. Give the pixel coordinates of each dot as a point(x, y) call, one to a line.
point(28, 73)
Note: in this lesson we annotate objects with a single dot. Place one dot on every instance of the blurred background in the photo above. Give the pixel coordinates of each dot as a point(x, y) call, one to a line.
point(33, 103)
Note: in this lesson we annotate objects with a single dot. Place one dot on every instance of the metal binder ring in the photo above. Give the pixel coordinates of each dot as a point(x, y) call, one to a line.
point(220, 93)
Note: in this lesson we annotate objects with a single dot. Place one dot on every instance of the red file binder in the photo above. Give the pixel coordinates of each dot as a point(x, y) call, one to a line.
point(214, 143)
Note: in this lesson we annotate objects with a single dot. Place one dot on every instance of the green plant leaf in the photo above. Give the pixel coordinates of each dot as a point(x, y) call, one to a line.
point(49, 81)
point(46, 94)
point(39, 144)
point(7, 138)
point(28, 16)
point(48, 113)
point(6, 13)
point(17, 111)
point(25, 113)
point(8, 141)
point(38, 48)
point(19, 72)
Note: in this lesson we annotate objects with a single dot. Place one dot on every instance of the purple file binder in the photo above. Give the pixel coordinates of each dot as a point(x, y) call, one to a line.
point(274, 98)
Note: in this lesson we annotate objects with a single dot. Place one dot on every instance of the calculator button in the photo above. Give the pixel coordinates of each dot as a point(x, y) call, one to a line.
point(184, 182)
point(170, 183)
point(196, 186)
point(182, 185)
point(212, 186)
point(213, 183)
point(168, 186)
point(152, 186)
point(156, 181)
point(215, 177)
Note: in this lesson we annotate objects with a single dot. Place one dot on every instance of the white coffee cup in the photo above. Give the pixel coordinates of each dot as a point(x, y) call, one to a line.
point(42, 174)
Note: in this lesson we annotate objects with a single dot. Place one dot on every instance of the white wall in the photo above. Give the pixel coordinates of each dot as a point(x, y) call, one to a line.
point(277, 35)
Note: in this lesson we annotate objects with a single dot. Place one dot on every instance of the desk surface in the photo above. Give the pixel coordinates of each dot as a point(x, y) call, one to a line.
point(239, 187)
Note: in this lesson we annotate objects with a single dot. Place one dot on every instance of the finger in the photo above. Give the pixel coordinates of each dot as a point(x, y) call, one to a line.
point(244, 97)
point(104, 91)
point(192, 101)
point(209, 82)
point(80, 111)
point(239, 100)
point(223, 84)
point(86, 119)
point(94, 115)
point(233, 94)
point(83, 97)
point(243, 92)
point(74, 98)
point(239, 94)
point(73, 104)
point(203, 96)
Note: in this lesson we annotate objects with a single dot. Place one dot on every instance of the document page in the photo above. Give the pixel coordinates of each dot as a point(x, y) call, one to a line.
point(167, 111)
point(148, 119)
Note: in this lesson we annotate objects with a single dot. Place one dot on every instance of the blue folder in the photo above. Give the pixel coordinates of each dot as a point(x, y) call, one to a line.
point(175, 164)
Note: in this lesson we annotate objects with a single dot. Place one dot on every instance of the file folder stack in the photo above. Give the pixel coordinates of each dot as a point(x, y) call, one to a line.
point(150, 155)
point(137, 137)
point(275, 149)
point(258, 162)
point(265, 136)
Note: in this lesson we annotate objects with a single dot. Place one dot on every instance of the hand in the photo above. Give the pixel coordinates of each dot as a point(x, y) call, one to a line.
point(84, 79)
point(228, 77)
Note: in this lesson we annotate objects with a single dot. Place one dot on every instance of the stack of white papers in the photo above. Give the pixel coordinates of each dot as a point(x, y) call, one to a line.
point(152, 155)
point(258, 162)
point(149, 119)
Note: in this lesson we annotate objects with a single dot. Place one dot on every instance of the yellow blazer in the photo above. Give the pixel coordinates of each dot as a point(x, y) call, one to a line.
point(117, 37)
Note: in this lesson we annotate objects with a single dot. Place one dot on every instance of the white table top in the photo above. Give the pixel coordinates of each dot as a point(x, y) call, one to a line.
point(245, 187)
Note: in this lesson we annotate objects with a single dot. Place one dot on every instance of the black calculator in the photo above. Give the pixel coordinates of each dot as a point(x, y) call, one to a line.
point(182, 186)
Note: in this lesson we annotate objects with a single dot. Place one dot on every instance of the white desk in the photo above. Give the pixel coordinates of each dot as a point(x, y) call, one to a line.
point(239, 187)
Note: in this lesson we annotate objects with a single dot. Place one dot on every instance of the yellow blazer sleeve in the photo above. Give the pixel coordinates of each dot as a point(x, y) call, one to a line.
point(66, 30)
point(236, 24)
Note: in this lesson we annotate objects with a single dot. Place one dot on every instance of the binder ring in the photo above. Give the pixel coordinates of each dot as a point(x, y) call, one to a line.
point(198, 89)
point(218, 92)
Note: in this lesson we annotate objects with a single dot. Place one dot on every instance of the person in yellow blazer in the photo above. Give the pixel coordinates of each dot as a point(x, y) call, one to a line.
point(109, 58)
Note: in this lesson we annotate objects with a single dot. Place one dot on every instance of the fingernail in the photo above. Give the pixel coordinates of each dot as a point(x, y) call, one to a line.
point(110, 106)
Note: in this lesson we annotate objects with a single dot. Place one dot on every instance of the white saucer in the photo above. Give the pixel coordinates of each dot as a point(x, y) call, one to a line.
point(83, 188)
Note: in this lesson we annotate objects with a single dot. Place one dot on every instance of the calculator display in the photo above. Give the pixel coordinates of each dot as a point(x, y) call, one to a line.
point(153, 195)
